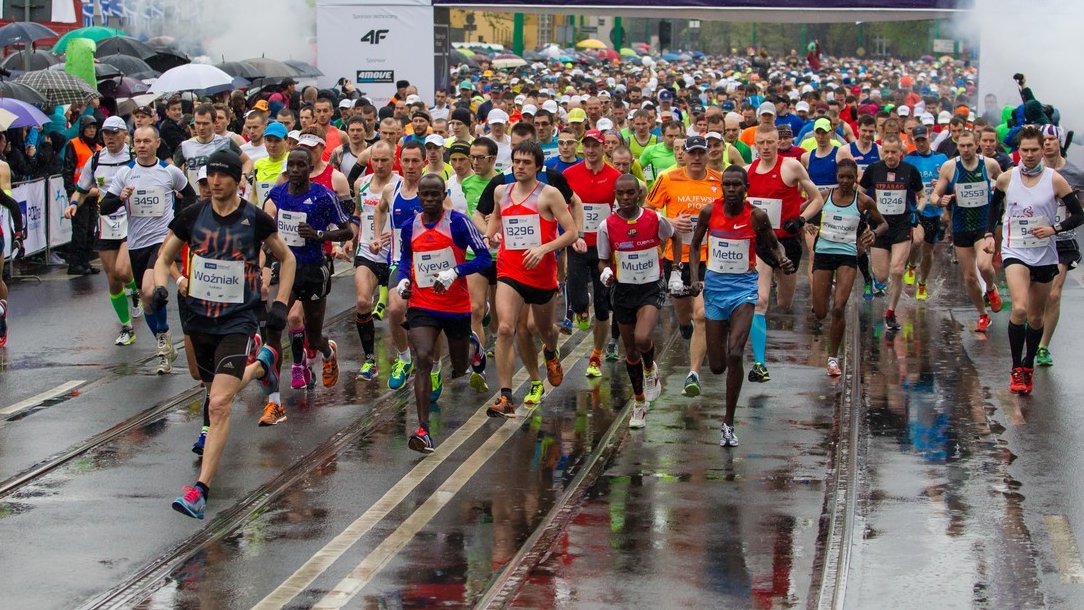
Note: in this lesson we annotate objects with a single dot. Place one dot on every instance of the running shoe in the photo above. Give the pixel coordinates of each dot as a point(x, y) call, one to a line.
point(867, 291)
point(535, 394)
point(273, 414)
point(165, 365)
point(594, 367)
point(502, 407)
point(166, 353)
point(1029, 380)
point(269, 359)
point(1017, 384)
point(891, 323)
point(639, 415)
point(759, 373)
point(983, 324)
point(478, 355)
point(692, 385)
point(378, 311)
point(727, 437)
point(921, 293)
point(611, 351)
point(298, 379)
point(1042, 357)
point(993, 297)
point(583, 321)
point(135, 308)
point(566, 326)
point(331, 365)
point(909, 275)
point(191, 502)
point(555, 373)
point(127, 336)
point(421, 442)
point(833, 367)
point(400, 371)
point(368, 370)
point(437, 381)
point(652, 384)
point(201, 440)
point(478, 382)
point(256, 344)
point(879, 289)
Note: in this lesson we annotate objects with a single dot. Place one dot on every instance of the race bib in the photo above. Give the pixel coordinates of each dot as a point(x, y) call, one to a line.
point(522, 232)
point(368, 226)
point(113, 227)
point(193, 178)
point(593, 216)
point(639, 267)
point(149, 202)
point(288, 225)
point(262, 189)
point(687, 238)
point(892, 202)
point(929, 192)
point(972, 194)
point(649, 173)
point(772, 207)
point(1020, 231)
point(427, 265)
point(839, 228)
point(217, 281)
point(728, 255)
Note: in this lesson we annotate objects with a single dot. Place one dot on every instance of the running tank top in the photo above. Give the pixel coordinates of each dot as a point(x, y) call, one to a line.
point(368, 200)
point(434, 250)
point(770, 193)
point(822, 170)
point(524, 228)
point(456, 194)
point(324, 177)
point(865, 160)
point(973, 191)
point(635, 244)
point(839, 227)
point(1027, 208)
point(732, 250)
point(223, 273)
point(115, 225)
point(348, 160)
point(403, 210)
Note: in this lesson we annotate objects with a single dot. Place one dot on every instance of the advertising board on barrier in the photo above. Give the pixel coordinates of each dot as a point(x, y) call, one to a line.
point(60, 228)
point(31, 198)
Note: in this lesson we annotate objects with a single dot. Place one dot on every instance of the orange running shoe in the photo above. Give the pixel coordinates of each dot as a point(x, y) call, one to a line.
point(272, 414)
point(502, 407)
point(983, 324)
point(994, 297)
point(331, 365)
point(555, 373)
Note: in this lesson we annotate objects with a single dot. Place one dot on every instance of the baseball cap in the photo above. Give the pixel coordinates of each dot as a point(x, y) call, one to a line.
point(459, 148)
point(944, 117)
point(920, 132)
point(696, 143)
point(604, 94)
point(604, 124)
point(225, 162)
point(310, 140)
point(802, 105)
point(577, 115)
point(822, 124)
point(146, 110)
point(201, 175)
point(713, 135)
point(114, 123)
point(529, 110)
point(520, 99)
point(728, 105)
point(294, 135)
point(466, 84)
point(927, 119)
point(263, 106)
point(346, 104)
point(413, 98)
point(766, 108)
point(497, 116)
point(593, 134)
point(275, 130)
point(665, 95)
point(550, 106)
point(904, 110)
point(434, 138)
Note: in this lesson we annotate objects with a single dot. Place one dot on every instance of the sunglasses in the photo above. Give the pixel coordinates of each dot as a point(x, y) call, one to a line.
point(567, 142)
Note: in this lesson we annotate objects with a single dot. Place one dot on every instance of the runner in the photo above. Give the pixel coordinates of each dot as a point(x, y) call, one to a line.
point(482, 285)
point(16, 244)
point(255, 124)
point(658, 157)
point(146, 189)
point(95, 177)
point(776, 185)
point(733, 228)
point(527, 219)
point(431, 269)
point(964, 184)
point(593, 181)
point(821, 164)
point(345, 157)
point(1030, 192)
point(567, 144)
point(628, 253)
point(931, 219)
point(222, 298)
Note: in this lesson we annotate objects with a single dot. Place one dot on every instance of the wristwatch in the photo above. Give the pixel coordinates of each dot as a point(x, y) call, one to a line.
point(320, 235)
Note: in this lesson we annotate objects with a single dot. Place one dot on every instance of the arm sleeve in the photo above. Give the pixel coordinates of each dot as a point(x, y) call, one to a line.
point(994, 211)
point(406, 254)
point(16, 213)
point(110, 203)
point(466, 235)
point(1076, 214)
point(69, 168)
point(602, 242)
point(187, 198)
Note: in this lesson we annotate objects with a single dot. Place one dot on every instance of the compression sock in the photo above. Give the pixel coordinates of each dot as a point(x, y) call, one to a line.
point(366, 332)
point(1017, 338)
point(1031, 339)
point(152, 322)
point(863, 266)
point(649, 357)
point(206, 407)
point(760, 337)
point(297, 344)
point(120, 305)
point(636, 375)
point(132, 292)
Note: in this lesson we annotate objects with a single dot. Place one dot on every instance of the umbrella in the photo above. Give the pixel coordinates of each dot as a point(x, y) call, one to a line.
point(458, 57)
point(122, 87)
point(33, 60)
point(19, 91)
point(671, 56)
point(26, 115)
point(128, 105)
point(7, 119)
point(95, 33)
point(270, 68)
point(608, 54)
point(191, 77)
point(238, 68)
point(102, 71)
point(627, 52)
point(127, 64)
point(58, 87)
point(304, 69)
point(507, 60)
point(148, 75)
point(123, 45)
point(23, 32)
point(591, 43)
point(167, 58)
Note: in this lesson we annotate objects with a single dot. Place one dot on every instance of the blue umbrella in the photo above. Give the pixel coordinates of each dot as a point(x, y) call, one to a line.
point(28, 116)
point(671, 56)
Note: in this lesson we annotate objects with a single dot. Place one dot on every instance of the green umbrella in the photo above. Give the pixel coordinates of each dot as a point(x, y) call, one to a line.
point(627, 52)
point(95, 33)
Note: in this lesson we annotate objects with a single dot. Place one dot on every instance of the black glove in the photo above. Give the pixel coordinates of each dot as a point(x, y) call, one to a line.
point(794, 225)
point(276, 318)
point(160, 298)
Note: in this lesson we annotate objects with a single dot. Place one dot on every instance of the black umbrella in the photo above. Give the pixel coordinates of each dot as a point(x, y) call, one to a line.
point(102, 71)
point(19, 91)
point(238, 68)
point(127, 64)
point(458, 57)
point(149, 74)
point(167, 58)
point(304, 69)
point(123, 45)
point(122, 87)
point(271, 68)
point(23, 32)
point(30, 60)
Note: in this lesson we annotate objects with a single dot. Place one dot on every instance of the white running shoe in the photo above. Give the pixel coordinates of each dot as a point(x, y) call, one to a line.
point(727, 438)
point(652, 385)
point(127, 336)
point(639, 415)
point(165, 364)
point(135, 306)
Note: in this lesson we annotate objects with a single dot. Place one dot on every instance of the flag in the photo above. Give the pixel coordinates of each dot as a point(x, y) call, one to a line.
point(88, 13)
point(63, 11)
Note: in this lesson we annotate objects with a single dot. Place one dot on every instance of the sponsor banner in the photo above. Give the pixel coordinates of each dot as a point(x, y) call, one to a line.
point(31, 198)
point(731, 4)
point(60, 228)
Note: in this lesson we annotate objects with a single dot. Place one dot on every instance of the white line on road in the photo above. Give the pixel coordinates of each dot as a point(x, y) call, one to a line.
point(300, 580)
point(34, 401)
point(1065, 549)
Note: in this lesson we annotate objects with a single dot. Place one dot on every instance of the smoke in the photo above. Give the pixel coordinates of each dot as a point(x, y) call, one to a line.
point(1039, 38)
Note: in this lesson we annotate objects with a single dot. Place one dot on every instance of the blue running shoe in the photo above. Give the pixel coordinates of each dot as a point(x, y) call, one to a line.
point(438, 386)
point(478, 358)
point(269, 358)
point(191, 503)
point(201, 440)
point(400, 371)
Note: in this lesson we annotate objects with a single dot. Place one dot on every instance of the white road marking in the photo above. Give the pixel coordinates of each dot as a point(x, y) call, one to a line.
point(323, 559)
point(34, 401)
point(1065, 549)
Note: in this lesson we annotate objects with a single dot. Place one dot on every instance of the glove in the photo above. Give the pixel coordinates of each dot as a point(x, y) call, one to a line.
point(276, 318)
point(607, 277)
point(794, 225)
point(676, 285)
point(403, 287)
point(160, 298)
point(447, 277)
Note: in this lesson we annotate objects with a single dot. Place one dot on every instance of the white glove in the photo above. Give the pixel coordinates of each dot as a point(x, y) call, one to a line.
point(404, 285)
point(607, 277)
point(447, 277)
point(676, 285)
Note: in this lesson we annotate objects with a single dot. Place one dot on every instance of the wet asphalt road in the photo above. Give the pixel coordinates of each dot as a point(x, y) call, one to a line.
point(967, 495)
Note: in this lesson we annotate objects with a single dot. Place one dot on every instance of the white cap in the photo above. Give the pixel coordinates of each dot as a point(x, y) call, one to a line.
point(497, 116)
point(550, 106)
point(604, 95)
point(713, 135)
point(413, 98)
point(311, 140)
point(575, 99)
point(201, 175)
point(565, 99)
point(802, 105)
point(294, 135)
point(114, 123)
point(514, 81)
point(434, 138)
point(766, 108)
point(529, 110)
point(347, 103)
point(520, 99)
point(604, 124)
point(944, 117)
point(927, 119)
point(904, 110)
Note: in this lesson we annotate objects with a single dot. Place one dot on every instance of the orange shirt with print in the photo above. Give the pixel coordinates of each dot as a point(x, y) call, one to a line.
point(675, 193)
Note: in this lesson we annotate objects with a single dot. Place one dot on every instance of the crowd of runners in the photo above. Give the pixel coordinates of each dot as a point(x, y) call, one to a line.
point(517, 206)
